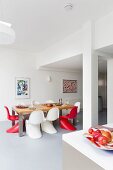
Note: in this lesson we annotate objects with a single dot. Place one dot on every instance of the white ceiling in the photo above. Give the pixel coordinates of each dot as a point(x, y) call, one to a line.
point(74, 64)
point(40, 23)
point(70, 64)
point(108, 49)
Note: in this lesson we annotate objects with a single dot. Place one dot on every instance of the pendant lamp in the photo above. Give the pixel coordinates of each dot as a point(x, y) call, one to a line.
point(7, 34)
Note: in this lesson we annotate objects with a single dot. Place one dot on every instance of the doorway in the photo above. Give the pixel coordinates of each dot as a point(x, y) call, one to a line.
point(102, 90)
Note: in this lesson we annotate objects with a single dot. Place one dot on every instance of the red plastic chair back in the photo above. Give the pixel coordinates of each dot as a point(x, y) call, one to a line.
point(8, 113)
point(73, 113)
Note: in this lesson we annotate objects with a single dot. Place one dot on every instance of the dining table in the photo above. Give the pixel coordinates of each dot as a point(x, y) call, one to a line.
point(26, 111)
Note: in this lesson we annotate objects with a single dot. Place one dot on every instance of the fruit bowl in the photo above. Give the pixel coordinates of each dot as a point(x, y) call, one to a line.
point(49, 104)
point(21, 107)
point(100, 138)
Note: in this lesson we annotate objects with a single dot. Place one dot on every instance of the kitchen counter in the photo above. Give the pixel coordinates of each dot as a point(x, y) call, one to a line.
point(102, 158)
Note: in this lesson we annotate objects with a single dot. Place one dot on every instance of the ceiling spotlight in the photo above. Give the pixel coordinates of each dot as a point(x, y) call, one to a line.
point(68, 7)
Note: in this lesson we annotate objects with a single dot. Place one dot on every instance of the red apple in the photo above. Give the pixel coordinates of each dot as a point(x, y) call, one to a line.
point(98, 131)
point(90, 130)
point(103, 140)
point(96, 136)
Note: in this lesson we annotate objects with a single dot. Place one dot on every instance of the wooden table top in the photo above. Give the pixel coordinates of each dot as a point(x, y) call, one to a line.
point(42, 107)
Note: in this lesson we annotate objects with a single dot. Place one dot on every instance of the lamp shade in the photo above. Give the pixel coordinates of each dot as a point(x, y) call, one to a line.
point(7, 34)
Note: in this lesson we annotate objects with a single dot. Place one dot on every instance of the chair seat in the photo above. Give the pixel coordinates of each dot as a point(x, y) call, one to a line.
point(33, 124)
point(33, 131)
point(71, 115)
point(12, 118)
point(14, 129)
point(48, 127)
point(65, 124)
point(64, 117)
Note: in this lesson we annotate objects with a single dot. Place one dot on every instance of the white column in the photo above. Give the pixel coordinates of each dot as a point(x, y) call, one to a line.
point(90, 79)
point(110, 91)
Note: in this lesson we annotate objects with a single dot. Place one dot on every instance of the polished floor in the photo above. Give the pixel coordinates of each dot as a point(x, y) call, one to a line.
point(27, 154)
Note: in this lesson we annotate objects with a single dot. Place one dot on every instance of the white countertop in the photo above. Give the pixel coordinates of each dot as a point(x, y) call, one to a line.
point(101, 157)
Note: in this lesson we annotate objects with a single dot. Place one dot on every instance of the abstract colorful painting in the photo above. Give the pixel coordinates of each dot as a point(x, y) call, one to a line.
point(69, 86)
point(22, 88)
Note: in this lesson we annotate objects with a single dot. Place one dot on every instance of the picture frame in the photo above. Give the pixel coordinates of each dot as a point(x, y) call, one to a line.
point(69, 86)
point(22, 88)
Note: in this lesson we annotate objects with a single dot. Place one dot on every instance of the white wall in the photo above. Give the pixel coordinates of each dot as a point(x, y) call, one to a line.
point(90, 79)
point(104, 31)
point(81, 42)
point(110, 91)
point(78, 43)
point(68, 47)
point(20, 64)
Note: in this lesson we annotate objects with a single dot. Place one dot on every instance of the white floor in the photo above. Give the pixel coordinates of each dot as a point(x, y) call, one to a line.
point(27, 154)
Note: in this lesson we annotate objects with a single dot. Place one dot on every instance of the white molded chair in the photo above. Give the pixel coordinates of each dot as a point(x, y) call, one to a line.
point(78, 108)
point(47, 125)
point(33, 124)
point(78, 105)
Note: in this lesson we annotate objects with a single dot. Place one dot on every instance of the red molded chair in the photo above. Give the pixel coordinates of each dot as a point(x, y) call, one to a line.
point(9, 116)
point(15, 128)
point(64, 122)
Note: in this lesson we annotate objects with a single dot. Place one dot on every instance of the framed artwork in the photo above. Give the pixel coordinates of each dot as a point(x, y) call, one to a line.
point(69, 86)
point(22, 88)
